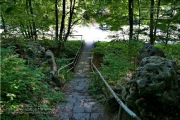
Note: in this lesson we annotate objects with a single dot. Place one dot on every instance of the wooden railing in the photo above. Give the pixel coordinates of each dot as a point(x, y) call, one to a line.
point(122, 105)
point(40, 36)
point(75, 60)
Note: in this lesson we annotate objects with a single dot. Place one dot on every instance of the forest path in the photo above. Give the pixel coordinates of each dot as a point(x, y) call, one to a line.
point(80, 105)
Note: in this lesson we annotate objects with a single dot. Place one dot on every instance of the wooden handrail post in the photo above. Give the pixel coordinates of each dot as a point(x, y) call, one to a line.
point(128, 111)
point(120, 113)
point(75, 60)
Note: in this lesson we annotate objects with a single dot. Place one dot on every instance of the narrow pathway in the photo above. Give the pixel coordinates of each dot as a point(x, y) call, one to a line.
point(80, 105)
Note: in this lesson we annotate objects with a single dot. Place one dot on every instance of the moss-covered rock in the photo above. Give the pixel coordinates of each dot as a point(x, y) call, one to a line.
point(154, 90)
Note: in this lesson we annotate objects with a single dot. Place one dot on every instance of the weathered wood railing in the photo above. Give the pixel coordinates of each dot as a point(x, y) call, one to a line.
point(40, 36)
point(75, 60)
point(122, 105)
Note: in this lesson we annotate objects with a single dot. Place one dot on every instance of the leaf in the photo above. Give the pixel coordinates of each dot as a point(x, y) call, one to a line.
point(12, 96)
point(2, 2)
point(9, 9)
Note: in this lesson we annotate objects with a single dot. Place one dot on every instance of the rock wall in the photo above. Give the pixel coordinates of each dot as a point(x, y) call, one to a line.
point(148, 50)
point(153, 92)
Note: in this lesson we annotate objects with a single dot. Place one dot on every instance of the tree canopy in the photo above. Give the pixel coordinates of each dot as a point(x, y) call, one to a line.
point(32, 17)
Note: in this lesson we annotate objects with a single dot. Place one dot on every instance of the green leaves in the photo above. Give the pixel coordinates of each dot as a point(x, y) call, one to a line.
point(11, 96)
point(17, 78)
point(3, 2)
point(9, 9)
point(118, 58)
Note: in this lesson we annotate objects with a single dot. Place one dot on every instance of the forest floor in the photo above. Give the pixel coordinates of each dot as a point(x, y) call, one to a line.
point(80, 105)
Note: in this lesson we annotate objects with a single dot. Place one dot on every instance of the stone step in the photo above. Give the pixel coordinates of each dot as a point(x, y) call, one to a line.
point(79, 104)
point(80, 75)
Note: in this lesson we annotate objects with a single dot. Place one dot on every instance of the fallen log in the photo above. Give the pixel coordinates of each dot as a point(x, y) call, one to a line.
point(49, 53)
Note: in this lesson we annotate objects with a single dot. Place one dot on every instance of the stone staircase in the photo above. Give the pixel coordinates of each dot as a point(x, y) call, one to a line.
point(80, 105)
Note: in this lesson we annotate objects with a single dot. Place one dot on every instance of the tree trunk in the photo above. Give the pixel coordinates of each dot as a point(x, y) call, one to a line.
point(152, 22)
point(28, 25)
point(62, 21)
point(61, 41)
point(130, 19)
point(139, 23)
point(130, 7)
point(157, 16)
point(30, 30)
point(34, 34)
point(3, 24)
point(168, 33)
point(56, 17)
point(71, 12)
point(24, 33)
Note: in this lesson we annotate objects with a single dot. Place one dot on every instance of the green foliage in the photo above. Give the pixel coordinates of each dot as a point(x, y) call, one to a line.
point(67, 56)
point(64, 74)
point(23, 83)
point(71, 48)
point(96, 87)
point(171, 51)
point(100, 48)
point(18, 81)
point(17, 14)
point(57, 97)
point(119, 60)
point(48, 44)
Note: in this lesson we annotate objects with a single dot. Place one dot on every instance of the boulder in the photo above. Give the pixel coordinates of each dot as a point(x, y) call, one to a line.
point(146, 51)
point(156, 71)
point(153, 89)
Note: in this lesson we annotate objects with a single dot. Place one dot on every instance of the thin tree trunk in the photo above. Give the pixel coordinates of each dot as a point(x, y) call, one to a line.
point(57, 20)
point(139, 24)
point(3, 24)
point(28, 25)
point(28, 22)
point(130, 19)
point(152, 22)
point(62, 21)
point(24, 33)
point(72, 5)
point(168, 33)
point(34, 34)
point(61, 42)
point(30, 30)
point(130, 5)
point(157, 16)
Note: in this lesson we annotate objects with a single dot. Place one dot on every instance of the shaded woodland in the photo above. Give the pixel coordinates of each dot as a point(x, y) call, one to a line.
point(35, 44)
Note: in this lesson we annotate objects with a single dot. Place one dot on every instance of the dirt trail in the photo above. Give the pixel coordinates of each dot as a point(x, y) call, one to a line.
point(80, 105)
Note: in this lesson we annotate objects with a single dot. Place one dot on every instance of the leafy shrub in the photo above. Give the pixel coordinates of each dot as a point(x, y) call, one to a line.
point(71, 48)
point(171, 51)
point(24, 80)
point(96, 87)
point(18, 81)
point(21, 84)
point(48, 43)
point(116, 63)
point(100, 48)
point(119, 60)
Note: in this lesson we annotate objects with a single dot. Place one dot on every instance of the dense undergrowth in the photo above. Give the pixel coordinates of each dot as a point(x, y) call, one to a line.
point(25, 89)
point(119, 62)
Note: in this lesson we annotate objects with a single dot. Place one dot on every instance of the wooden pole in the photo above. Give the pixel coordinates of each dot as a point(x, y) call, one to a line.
point(120, 113)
